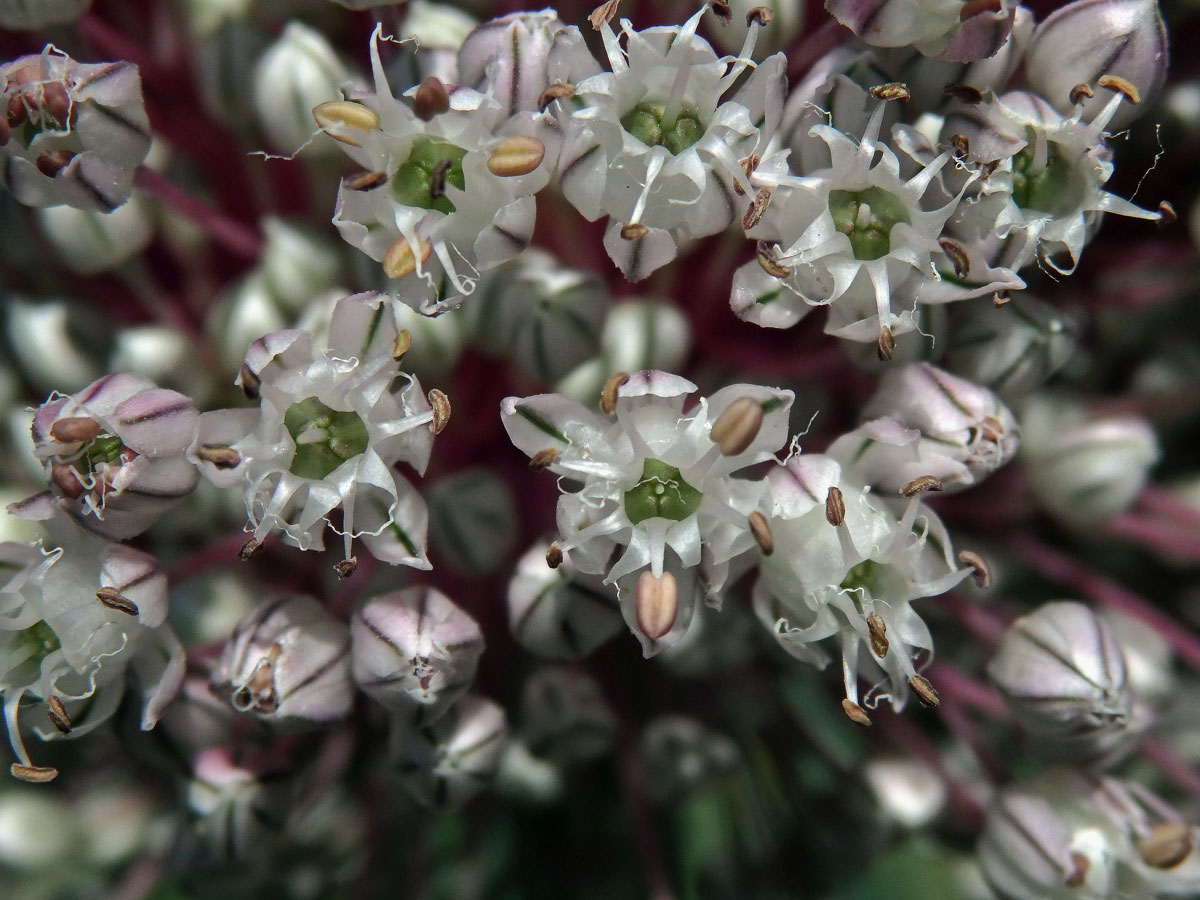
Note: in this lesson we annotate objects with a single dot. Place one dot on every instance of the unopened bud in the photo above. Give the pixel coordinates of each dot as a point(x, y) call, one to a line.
point(296, 73)
point(735, 430)
point(564, 717)
point(656, 604)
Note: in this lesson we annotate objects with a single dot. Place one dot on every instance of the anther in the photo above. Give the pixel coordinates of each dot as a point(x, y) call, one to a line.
point(346, 567)
point(518, 155)
point(400, 261)
point(249, 549)
point(364, 181)
point(633, 231)
point(554, 556)
point(919, 485)
point(33, 774)
point(924, 690)
point(722, 10)
point(114, 599)
point(250, 382)
point(1166, 214)
point(835, 507)
point(558, 91)
point(856, 713)
point(347, 114)
point(1079, 870)
point(51, 162)
point(963, 93)
point(66, 480)
point(962, 146)
point(440, 404)
point(1000, 298)
point(760, 14)
point(761, 530)
point(543, 459)
point(437, 178)
point(656, 604)
point(75, 429)
point(56, 103)
point(749, 164)
point(893, 90)
point(1166, 846)
point(957, 255)
point(605, 12)
point(608, 394)
point(757, 207)
point(58, 715)
point(1080, 93)
point(1119, 85)
point(430, 99)
point(877, 630)
point(219, 455)
point(886, 345)
point(981, 571)
point(766, 260)
point(401, 343)
point(737, 426)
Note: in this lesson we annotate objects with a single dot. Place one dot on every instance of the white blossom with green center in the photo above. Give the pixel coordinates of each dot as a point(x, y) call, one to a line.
point(658, 140)
point(654, 491)
point(332, 423)
point(824, 581)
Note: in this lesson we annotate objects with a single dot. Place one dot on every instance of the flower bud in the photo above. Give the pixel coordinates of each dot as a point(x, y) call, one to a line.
point(37, 830)
point(21, 15)
point(646, 334)
point(56, 344)
point(88, 241)
point(237, 813)
point(242, 315)
point(1080, 42)
point(1085, 471)
point(680, 755)
point(472, 520)
point(907, 790)
point(559, 613)
point(297, 263)
point(161, 354)
point(1014, 349)
point(414, 651)
point(1063, 675)
point(297, 72)
point(437, 31)
point(953, 31)
point(564, 717)
point(922, 422)
point(449, 762)
point(287, 663)
point(526, 777)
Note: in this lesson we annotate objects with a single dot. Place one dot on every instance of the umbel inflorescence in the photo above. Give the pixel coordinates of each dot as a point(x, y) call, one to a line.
point(868, 493)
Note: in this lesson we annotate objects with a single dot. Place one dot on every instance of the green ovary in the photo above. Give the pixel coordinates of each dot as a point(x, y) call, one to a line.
point(645, 122)
point(1051, 185)
point(867, 217)
point(40, 639)
point(104, 449)
point(325, 438)
point(421, 179)
point(662, 493)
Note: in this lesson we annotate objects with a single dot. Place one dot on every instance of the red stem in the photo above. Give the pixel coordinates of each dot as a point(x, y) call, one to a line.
point(1163, 537)
point(230, 234)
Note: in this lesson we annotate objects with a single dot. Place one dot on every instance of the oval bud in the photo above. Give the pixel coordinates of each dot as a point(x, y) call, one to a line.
point(564, 717)
point(298, 72)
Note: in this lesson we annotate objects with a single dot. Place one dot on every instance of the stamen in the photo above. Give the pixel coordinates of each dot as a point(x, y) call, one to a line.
point(33, 774)
point(219, 455)
point(543, 459)
point(400, 261)
point(345, 114)
point(1166, 846)
point(554, 556)
point(893, 90)
point(919, 485)
point(737, 427)
point(656, 603)
point(886, 345)
point(982, 572)
point(346, 567)
point(963, 93)
point(757, 207)
point(441, 410)
point(75, 430)
point(1079, 870)
point(58, 715)
point(364, 181)
point(856, 713)
point(1080, 93)
point(835, 507)
point(1166, 214)
point(761, 530)
point(603, 13)
point(924, 690)
point(430, 99)
point(1119, 85)
point(250, 382)
point(249, 549)
point(113, 599)
point(878, 634)
point(401, 343)
point(635, 231)
point(608, 394)
point(766, 260)
point(957, 254)
point(516, 156)
point(557, 91)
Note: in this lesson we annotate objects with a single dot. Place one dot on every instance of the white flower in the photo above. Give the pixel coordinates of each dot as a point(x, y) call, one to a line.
point(449, 184)
point(72, 620)
point(948, 29)
point(854, 580)
point(656, 489)
point(332, 423)
point(655, 143)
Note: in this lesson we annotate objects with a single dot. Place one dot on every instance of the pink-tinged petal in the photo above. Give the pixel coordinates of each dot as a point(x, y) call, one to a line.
point(653, 383)
point(551, 421)
point(288, 348)
point(42, 420)
point(802, 484)
point(156, 422)
point(100, 398)
point(222, 428)
point(362, 327)
point(980, 36)
point(36, 508)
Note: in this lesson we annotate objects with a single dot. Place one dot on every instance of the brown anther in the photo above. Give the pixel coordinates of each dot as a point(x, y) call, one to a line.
point(5, 132)
point(737, 426)
point(760, 14)
point(348, 115)
point(219, 455)
point(957, 254)
point(1079, 870)
point(856, 713)
point(55, 102)
point(364, 181)
point(543, 459)
point(437, 178)
point(766, 259)
point(554, 556)
point(981, 571)
point(605, 12)
point(560, 90)
point(114, 599)
point(1119, 85)
point(1166, 846)
point(75, 429)
point(656, 604)
point(722, 10)
point(250, 382)
point(517, 155)
point(33, 774)
point(924, 690)
point(440, 404)
point(400, 344)
point(972, 8)
point(962, 146)
point(893, 90)
point(878, 634)
point(66, 480)
point(1166, 214)
point(400, 261)
point(886, 345)
point(58, 715)
point(963, 93)
point(608, 393)
point(346, 567)
point(1000, 298)
point(633, 231)
point(762, 533)
point(835, 507)
point(1081, 92)
point(919, 485)
point(757, 207)
point(15, 112)
point(430, 99)
point(749, 164)
point(249, 549)
point(52, 162)
point(988, 168)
